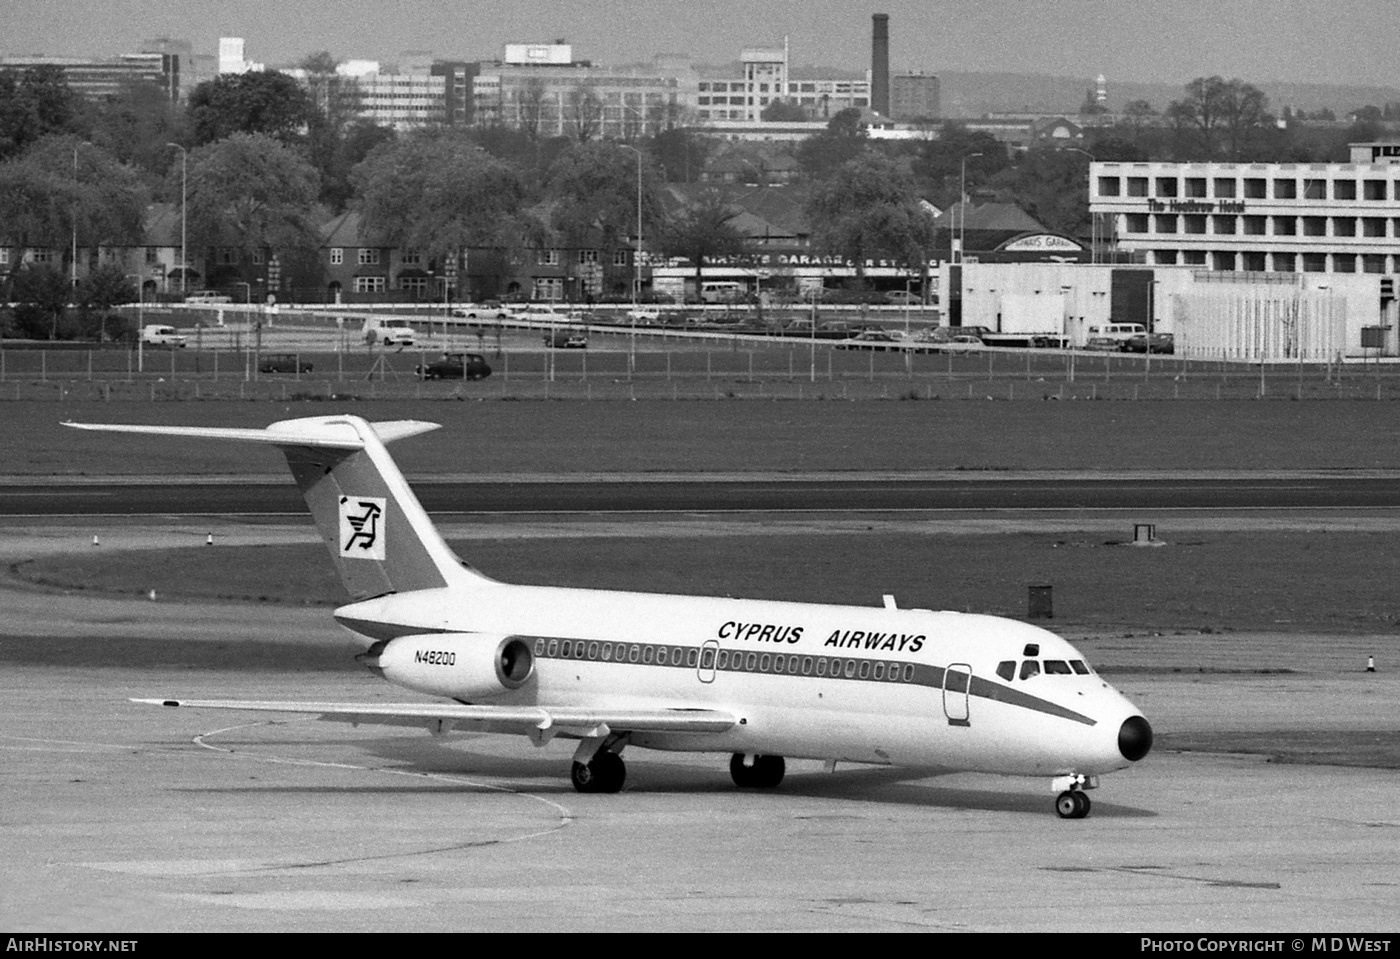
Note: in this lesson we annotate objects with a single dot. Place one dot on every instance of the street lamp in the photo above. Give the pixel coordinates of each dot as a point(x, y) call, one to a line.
point(184, 197)
point(140, 321)
point(962, 205)
point(73, 259)
point(1093, 217)
point(637, 254)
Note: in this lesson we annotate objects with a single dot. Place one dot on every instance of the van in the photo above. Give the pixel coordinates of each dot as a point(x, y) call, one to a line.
point(1120, 333)
point(390, 331)
point(158, 335)
point(722, 291)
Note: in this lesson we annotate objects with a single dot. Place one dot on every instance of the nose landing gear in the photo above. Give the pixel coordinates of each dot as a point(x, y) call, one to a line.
point(1072, 802)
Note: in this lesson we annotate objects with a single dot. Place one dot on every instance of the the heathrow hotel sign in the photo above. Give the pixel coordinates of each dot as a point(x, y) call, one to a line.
point(1195, 206)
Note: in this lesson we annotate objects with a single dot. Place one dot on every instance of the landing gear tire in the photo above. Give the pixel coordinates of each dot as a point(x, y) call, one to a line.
point(764, 772)
point(604, 774)
point(1072, 804)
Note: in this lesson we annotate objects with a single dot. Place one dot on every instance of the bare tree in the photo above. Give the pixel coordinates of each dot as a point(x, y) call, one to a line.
point(583, 116)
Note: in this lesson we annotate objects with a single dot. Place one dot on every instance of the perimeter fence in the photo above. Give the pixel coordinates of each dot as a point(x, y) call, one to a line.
point(740, 371)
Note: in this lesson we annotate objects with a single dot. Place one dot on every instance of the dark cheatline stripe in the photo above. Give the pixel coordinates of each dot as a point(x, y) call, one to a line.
point(802, 665)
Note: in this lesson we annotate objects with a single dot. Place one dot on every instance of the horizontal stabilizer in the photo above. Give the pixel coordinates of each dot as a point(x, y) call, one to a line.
point(523, 719)
point(324, 432)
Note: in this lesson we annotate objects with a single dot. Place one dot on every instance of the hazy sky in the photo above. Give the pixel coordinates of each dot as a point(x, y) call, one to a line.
point(1324, 41)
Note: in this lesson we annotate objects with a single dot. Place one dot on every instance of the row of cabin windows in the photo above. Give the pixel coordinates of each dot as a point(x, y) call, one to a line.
point(749, 661)
point(1375, 227)
point(1032, 667)
point(1248, 188)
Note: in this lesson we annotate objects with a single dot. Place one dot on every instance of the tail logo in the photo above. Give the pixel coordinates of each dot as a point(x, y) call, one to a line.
point(361, 519)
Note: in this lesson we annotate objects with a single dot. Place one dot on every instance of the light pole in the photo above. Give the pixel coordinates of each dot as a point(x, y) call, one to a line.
point(1093, 218)
point(184, 198)
point(73, 257)
point(140, 321)
point(962, 205)
point(637, 253)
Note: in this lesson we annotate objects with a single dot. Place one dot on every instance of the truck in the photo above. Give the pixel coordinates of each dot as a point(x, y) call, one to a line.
point(1029, 320)
point(388, 330)
point(160, 335)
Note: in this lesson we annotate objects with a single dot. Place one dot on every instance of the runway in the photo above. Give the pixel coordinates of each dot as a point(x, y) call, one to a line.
point(777, 492)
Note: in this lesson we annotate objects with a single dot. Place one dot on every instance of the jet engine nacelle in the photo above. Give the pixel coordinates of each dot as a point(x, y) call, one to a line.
point(463, 666)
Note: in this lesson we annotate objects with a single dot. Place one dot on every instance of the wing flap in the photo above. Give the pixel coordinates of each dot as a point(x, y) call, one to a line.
point(563, 720)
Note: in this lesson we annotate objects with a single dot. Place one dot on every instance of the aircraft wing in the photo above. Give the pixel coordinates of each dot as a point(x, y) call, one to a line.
point(541, 723)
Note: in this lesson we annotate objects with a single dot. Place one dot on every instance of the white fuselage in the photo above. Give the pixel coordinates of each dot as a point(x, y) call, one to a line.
point(851, 683)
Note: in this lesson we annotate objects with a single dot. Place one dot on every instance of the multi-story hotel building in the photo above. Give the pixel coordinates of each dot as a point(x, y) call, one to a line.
point(1258, 217)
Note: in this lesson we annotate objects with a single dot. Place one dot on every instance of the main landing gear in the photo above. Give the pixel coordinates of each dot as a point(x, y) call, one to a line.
point(605, 772)
point(756, 772)
point(1072, 802)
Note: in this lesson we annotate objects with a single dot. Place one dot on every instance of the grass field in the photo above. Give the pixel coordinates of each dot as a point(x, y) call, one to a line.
point(743, 436)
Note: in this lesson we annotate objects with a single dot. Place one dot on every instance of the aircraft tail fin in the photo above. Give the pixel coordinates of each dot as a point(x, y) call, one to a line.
point(379, 536)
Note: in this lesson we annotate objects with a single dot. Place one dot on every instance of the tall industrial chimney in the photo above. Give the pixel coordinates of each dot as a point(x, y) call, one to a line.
point(880, 65)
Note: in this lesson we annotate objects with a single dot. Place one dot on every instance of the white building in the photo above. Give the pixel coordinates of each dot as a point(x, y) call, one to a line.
point(1257, 217)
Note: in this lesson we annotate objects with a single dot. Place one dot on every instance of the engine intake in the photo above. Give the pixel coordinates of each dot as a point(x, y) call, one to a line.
point(463, 666)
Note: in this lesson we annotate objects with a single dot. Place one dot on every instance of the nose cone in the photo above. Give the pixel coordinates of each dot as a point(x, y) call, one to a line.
point(1134, 738)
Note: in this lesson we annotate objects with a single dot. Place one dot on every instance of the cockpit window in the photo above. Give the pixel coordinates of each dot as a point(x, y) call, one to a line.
point(1056, 667)
point(1078, 666)
point(1030, 668)
point(1007, 670)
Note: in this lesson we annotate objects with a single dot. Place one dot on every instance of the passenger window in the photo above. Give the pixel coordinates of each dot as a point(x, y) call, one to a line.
point(1030, 668)
point(1078, 666)
point(1007, 670)
point(1057, 667)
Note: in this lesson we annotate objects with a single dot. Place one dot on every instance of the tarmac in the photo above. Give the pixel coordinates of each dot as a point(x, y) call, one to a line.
point(126, 818)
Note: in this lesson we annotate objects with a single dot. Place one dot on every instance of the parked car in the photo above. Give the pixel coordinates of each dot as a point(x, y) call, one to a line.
point(1104, 344)
point(567, 339)
point(904, 298)
point(283, 363)
point(1150, 342)
point(879, 340)
point(161, 335)
point(962, 343)
point(456, 366)
point(489, 310)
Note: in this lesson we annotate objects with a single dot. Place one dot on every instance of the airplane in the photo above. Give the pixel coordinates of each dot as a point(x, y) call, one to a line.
point(761, 680)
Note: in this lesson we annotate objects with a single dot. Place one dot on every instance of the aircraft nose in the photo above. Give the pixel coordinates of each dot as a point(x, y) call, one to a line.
point(1134, 738)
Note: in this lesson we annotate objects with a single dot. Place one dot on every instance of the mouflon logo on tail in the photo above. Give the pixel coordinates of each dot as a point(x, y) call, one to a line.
point(362, 527)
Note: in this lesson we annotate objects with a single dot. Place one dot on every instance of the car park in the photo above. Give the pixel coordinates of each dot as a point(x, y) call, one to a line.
point(283, 363)
point(456, 366)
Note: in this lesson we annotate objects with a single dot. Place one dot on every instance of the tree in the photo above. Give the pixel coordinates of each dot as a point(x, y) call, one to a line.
point(1052, 186)
point(1223, 114)
point(63, 191)
point(843, 138)
point(250, 192)
point(593, 189)
point(97, 293)
point(34, 103)
point(702, 232)
point(438, 193)
point(939, 166)
point(681, 154)
point(336, 137)
point(583, 114)
point(41, 302)
point(136, 125)
point(868, 209)
point(783, 111)
point(268, 103)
